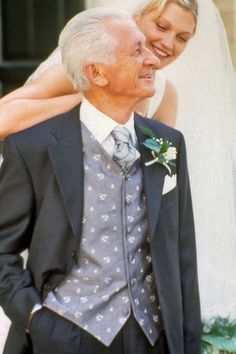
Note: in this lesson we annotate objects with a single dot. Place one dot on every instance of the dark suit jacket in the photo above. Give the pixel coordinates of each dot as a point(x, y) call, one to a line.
point(41, 208)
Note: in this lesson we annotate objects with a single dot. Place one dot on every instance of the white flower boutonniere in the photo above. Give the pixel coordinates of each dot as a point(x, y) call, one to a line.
point(161, 149)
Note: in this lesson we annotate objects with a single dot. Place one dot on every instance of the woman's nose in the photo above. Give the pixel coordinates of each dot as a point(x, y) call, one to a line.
point(168, 41)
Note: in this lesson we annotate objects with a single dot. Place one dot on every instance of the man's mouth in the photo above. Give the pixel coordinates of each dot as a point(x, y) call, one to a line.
point(146, 76)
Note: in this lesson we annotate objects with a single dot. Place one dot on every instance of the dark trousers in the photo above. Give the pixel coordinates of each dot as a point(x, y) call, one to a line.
point(52, 334)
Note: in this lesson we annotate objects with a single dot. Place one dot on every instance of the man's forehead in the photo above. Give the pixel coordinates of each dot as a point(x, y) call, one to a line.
point(126, 30)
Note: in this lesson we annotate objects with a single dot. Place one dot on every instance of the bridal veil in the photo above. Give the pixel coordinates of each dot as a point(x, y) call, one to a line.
point(205, 81)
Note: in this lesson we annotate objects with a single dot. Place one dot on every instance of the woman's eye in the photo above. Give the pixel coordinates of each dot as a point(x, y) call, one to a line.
point(183, 39)
point(161, 27)
point(137, 52)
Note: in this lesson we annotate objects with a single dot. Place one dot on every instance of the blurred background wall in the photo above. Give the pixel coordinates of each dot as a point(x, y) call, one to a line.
point(28, 33)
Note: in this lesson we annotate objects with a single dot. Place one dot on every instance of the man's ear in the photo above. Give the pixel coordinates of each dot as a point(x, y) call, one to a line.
point(95, 75)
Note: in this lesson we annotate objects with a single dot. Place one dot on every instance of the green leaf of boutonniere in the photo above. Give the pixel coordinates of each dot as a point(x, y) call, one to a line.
point(146, 131)
point(165, 146)
point(161, 149)
point(219, 333)
point(152, 145)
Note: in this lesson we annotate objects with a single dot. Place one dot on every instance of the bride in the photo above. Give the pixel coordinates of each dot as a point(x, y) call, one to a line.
point(203, 78)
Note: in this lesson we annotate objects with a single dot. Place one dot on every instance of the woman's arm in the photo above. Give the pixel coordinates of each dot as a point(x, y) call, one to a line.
point(53, 82)
point(52, 93)
point(21, 113)
point(167, 110)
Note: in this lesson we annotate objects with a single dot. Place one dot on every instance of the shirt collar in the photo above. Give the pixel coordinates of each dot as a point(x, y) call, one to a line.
point(99, 124)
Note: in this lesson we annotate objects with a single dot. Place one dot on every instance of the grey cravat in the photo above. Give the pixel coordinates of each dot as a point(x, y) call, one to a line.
point(125, 153)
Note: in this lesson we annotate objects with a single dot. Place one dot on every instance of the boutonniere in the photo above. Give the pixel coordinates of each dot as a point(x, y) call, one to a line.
point(161, 149)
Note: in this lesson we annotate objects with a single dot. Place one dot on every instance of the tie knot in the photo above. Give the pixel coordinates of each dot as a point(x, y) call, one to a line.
point(121, 135)
point(125, 153)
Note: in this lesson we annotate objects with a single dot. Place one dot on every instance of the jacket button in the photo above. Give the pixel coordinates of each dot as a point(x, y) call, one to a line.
point(74, 254)
point(47, 286)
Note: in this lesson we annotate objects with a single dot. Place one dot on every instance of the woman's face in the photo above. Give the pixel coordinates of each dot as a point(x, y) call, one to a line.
point(167, 35)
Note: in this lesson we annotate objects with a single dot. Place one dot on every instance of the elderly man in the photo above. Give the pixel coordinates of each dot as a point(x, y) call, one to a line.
point(104, 208)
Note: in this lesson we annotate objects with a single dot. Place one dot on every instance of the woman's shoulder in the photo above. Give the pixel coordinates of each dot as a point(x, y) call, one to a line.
point(160, 86)
point(167, 109)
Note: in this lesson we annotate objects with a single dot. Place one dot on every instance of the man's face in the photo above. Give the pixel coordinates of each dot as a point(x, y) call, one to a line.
point(132, 75)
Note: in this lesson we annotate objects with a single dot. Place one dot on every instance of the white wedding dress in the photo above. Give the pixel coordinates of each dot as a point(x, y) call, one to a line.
point(205, 82)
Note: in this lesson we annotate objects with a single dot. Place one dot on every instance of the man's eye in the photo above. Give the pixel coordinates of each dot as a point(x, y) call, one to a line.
point(137, 52)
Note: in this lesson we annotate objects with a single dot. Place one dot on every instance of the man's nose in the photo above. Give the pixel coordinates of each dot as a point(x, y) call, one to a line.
point(151, 59)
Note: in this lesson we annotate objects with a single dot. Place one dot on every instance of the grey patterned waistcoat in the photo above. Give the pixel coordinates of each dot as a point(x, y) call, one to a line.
point(113, 276)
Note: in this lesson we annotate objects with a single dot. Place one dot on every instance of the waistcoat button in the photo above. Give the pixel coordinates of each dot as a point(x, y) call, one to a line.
point(126, 312)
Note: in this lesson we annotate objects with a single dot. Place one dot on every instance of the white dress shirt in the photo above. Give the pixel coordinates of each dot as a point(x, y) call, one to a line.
point(101, 126)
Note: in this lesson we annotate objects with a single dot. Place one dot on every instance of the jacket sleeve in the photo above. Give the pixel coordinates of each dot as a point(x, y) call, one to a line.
point(17, 294)
point(187, 259)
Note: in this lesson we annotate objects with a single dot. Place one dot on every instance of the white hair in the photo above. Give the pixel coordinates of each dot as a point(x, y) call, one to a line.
point(86, 39)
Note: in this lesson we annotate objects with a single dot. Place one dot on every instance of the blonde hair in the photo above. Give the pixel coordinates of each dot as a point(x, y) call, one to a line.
point(158, 6)
point(154, 5)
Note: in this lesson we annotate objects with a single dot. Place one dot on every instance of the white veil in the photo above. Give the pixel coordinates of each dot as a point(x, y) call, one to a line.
point(205, 82)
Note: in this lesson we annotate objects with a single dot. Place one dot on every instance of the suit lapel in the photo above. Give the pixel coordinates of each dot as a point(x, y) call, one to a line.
point(153, 180)
point(67, 160)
